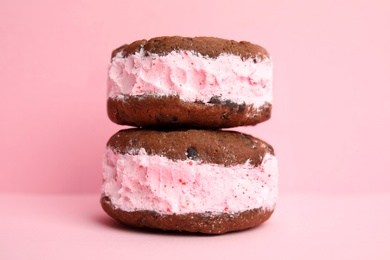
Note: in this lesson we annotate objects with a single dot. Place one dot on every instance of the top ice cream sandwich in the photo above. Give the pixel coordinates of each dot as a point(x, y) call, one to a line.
point(200, 82)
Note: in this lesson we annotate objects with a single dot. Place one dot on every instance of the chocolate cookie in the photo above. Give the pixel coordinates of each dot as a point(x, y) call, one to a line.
point(206, 223)
point(205, 181)
point(201, 82)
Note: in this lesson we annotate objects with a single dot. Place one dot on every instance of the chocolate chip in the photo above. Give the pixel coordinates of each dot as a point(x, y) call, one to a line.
point(215, 100)
point(218, 100)
point(230, 104)
point(241, 108)
point(191, 153)
point(224, 116)
point(254, 60)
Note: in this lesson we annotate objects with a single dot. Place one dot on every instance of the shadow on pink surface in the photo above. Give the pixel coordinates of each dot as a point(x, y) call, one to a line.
point(310, 226)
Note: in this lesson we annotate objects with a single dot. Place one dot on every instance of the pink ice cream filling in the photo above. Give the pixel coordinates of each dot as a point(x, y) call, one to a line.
point(192, 77)
point(156, 183)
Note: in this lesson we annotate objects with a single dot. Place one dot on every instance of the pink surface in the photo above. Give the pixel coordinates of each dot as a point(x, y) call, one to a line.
point(331, 114)
point(304, 226)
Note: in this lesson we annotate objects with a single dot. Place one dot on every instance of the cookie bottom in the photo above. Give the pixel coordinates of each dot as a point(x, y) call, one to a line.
point(207, 223)
point(166, 111)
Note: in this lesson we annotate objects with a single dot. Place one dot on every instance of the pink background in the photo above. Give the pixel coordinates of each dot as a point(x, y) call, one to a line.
point(331, 119)
point(330, 125)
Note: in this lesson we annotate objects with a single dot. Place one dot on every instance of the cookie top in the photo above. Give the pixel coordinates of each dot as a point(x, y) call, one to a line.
point(209, 146)
point(206, 46)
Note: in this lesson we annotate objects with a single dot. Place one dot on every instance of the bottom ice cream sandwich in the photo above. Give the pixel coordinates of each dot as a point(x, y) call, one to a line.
point(205, 181)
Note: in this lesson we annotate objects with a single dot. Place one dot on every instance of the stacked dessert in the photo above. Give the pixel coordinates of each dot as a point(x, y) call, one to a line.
point(177, 170)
